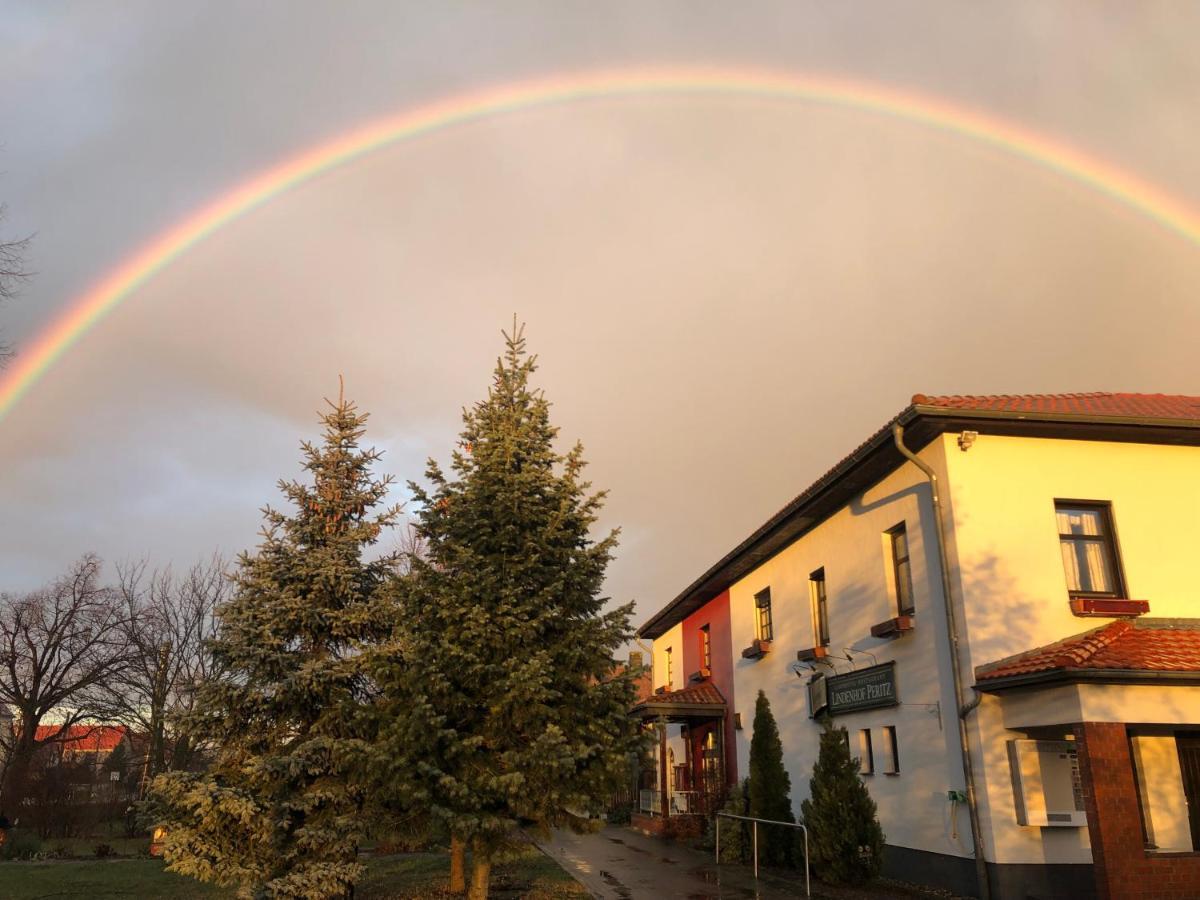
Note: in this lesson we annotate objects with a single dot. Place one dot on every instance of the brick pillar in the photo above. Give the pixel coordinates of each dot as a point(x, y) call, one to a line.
point(1124, 870)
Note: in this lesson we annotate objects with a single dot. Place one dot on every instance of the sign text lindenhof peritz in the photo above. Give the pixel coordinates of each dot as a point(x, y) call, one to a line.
point(864, 689)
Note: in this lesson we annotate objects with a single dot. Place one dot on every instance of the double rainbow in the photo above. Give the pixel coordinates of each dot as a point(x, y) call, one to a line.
point(40, 354)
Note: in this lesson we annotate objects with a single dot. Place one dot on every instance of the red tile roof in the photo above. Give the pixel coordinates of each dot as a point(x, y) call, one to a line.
point(1142, 646)
point(693, 695)
point(84, 738)
point(1138, 406)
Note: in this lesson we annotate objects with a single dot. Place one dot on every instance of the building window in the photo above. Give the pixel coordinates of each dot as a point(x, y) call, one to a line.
point(901, 570)
point(670, 670)
point(892, 750)
point(816, 582)
point(762, 608)
point(705, 648)
point(865, 753)
point(1089, 552)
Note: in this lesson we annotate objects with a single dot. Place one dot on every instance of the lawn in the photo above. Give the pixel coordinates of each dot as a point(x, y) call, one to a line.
point(531, 875)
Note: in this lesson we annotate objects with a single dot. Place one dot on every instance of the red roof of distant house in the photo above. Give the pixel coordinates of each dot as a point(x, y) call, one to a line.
point(84, 738)
point(1138, 406)
point(1125, 650)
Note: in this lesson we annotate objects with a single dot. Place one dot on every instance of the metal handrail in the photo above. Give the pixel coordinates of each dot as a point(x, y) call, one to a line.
point(725, 815)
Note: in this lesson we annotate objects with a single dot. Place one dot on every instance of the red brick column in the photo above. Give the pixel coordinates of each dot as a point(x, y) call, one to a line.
point(1124, 870)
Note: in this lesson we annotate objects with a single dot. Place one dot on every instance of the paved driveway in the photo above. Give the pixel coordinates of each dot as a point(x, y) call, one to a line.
point(621, 864)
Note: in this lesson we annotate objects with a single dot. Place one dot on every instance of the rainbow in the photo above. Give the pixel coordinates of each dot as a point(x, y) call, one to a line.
point(40, 354)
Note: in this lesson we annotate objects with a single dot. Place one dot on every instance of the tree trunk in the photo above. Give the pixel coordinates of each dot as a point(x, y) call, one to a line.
point(16, 773)
point(458, 864)
point(481, 872)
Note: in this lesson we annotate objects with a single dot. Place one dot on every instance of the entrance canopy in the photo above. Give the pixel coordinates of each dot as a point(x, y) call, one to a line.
point(700, 703)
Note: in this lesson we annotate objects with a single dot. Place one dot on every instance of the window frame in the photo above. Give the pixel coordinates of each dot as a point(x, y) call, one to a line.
point(670, 669)
point(764, 626)
point(866, 752)
point(705, 647)
point(911, 608)
point(1107, 537)
point(893, 750)
point(818, 590)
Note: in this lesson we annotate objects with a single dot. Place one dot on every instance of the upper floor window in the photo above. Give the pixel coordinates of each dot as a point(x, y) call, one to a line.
point(763, 629)
point(705, 647)
point(902, 570)
point(816, 585)
point(1089, 551)
point(670, 670)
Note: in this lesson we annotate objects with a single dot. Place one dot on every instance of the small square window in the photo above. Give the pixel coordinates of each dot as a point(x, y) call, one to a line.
point(891, 750)
point(763, 629)
point(865, 754)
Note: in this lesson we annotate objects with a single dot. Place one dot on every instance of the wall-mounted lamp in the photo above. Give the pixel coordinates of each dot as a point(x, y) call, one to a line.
point(966, 439)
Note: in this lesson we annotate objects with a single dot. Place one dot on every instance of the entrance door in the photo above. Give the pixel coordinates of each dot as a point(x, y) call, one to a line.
point(1189, 767)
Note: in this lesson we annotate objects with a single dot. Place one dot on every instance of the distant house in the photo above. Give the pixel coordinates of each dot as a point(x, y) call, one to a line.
point(970, 594)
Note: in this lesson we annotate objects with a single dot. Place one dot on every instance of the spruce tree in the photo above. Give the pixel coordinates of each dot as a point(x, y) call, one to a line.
point(770, 786)
point(844, 836)
point(277, 814)
point(508, 708)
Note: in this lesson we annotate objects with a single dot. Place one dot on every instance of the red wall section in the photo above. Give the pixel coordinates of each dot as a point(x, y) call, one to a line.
point(715, 614)
point(1124, 870)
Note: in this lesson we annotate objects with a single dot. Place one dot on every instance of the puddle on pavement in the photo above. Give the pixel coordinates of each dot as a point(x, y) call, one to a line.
point(615, 883)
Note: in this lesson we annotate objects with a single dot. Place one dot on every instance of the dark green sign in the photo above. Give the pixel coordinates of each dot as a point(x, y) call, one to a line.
point(864, 689)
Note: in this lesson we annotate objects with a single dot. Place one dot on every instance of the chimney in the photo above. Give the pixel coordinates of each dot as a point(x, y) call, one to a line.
point(635, 660)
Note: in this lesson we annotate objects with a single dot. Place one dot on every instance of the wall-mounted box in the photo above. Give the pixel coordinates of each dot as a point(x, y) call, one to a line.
point(1046, 786)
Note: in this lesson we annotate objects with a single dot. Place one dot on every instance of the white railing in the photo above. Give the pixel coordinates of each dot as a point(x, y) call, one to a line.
point(684, 802)
point(650, 801)
point(725, 815)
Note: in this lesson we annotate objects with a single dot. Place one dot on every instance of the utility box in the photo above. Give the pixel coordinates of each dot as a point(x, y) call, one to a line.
point(1046, 784)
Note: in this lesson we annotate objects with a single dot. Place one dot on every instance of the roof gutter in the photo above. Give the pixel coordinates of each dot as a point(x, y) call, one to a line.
point(963, 709)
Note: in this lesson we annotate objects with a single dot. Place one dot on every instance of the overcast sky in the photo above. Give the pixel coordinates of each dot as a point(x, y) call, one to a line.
point(726, 294)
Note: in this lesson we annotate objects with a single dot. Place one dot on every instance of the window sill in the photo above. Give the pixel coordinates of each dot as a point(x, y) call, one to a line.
point(758, 649)
point(1171, 854)
point(894, 627)
point(700, 675)
point(1108, 607)
point(812, 654)
point(892, 774)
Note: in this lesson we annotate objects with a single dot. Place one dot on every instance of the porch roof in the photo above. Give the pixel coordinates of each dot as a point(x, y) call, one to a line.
point(693, 703)
point(1142, 651)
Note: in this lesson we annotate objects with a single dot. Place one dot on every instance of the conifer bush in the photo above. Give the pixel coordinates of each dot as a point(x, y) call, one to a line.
point(844, 836)
point(770, 788)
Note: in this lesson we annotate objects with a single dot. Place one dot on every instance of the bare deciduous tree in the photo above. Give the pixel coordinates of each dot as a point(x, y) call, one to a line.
point(169, 621)
point(58, 648)
point(12, 270)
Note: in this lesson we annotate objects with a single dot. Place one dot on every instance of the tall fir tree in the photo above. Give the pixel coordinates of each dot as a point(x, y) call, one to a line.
point(509, 711)
point(770, 786)
point(277, 814)
point(845, 839)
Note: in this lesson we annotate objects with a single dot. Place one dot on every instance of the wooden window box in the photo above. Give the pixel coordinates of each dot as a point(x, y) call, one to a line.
point(893, 627)
point(757, 649)
point(702, 673)
point(812, 654)
point(1111, 607)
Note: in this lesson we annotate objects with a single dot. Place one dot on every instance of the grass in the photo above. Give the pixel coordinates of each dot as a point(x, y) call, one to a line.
point(532, 875)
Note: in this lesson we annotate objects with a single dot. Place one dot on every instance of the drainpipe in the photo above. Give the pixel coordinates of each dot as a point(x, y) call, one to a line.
point(964, 709)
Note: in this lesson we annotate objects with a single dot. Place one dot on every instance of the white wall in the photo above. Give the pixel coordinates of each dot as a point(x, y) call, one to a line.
point(913, 806)
point(1012, 592)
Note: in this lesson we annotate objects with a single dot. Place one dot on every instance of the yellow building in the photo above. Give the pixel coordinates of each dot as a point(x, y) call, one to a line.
point(1039, 732)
